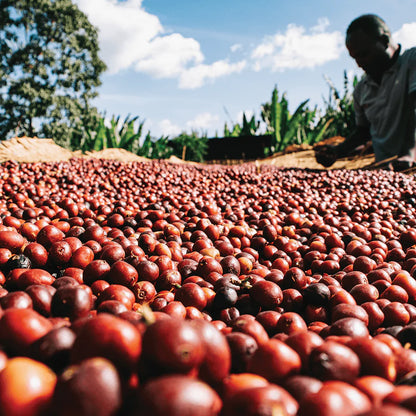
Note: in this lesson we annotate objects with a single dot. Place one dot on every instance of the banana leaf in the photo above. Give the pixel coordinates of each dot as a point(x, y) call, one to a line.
point(100, 137)
point(112, 135)
point(146, 147)
point(292, 126)
point(128, 135)
point(275, 117)
point(161, 148)
point(284, 117)
point(315, 138)
point(227, 132)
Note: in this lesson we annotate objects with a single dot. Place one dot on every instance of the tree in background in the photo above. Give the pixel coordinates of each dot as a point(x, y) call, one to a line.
point(303, 126)
point(49, 70)
point(281, 124)
point(155, 148)
point(249, 127)
point(340, 108)
point(114, 133)
point(190, 146)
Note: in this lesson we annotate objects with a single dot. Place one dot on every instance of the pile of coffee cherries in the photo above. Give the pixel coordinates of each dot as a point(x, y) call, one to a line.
point(168, 289)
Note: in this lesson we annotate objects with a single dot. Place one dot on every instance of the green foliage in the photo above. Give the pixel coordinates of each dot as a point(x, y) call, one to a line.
point(300, 127)
point(145, 149)
point(340, 109)
point(284, 127)
point(155, 148)
point(190, 146)
point(120, 134)
point(278, 115)
point(234, 132)
point(95, 137)
point(124, 135)
point(49, 70)
point(249, 127)
point(312, 128)
point(161, 148)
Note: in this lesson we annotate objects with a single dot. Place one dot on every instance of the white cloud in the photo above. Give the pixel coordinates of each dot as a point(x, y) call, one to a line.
point(168, 56)
point(203, 121)
point(196, 76)
point(406, 35)
point(125, 30)
point(298, 49)
point(236, 47)
point(130, 37)
point(320, 27)
point(168, 128)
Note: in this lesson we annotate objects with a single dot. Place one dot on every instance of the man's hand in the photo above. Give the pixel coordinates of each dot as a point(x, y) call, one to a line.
point(326, 155)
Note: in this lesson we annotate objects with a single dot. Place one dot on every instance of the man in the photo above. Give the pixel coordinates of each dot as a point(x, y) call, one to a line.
point(384, 99)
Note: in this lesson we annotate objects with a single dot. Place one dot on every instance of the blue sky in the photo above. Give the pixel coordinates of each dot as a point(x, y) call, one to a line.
point(183, 65)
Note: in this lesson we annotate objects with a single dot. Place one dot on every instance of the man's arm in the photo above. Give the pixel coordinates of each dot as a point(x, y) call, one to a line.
point(327, 155)
point(360, 136)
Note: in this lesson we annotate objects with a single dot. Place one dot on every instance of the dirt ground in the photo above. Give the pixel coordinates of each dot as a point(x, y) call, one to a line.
point(27, 150)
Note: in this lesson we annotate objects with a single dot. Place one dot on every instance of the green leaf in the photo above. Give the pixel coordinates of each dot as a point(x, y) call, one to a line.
point(100, 138)
point(128, 135)
point(276, 116)
point(49, 70)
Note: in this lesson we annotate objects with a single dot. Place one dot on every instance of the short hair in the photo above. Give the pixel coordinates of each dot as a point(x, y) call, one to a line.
point(370, 24)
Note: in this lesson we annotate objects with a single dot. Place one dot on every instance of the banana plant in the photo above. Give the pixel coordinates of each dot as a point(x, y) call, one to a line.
point(311, 131)
point(340, 108)
point(145, 149)
point(161, 148)
point(124, 135)
point(121, 135)
point(190, 146)
point(153, 148)
point(276, 119)
point(284, 127)
point(291, 126)
point(249, 127)
point(234, 132)
point(95, 138)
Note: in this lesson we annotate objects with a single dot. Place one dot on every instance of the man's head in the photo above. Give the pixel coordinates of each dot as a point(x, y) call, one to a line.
point(369, 42)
